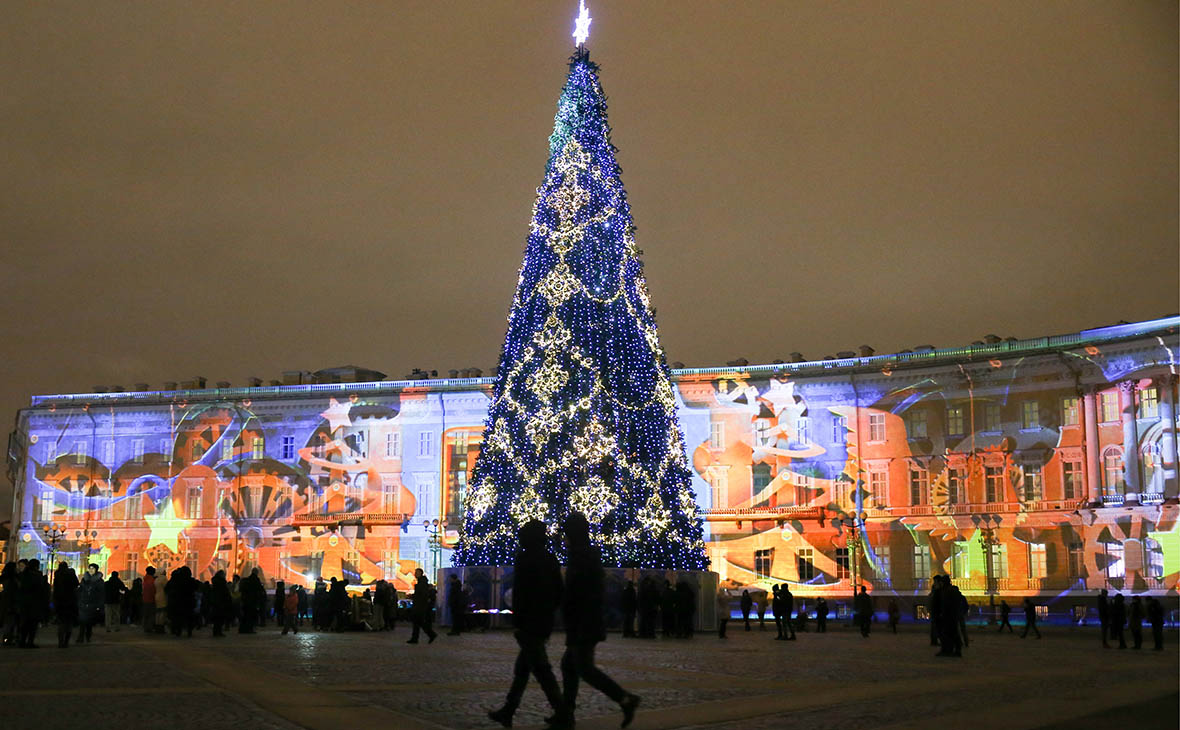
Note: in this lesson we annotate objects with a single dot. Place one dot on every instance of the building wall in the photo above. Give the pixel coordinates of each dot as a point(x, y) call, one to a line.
point(1001, 468)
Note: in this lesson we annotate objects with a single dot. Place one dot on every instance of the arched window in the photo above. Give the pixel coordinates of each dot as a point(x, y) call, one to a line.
point(1151, 457)
point(1112, 472)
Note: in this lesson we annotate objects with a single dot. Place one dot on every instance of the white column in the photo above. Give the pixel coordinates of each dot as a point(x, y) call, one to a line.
point(1167, 384)
point(1130, 439)
point(1093, 468)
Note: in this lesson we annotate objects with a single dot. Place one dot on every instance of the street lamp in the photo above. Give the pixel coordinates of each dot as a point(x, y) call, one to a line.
point(434, 530)
point(85, 540)
point(853, 523)
point(53, 535)
point(989, 540)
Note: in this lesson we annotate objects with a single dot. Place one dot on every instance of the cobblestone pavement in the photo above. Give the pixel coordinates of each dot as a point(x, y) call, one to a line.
point(838, 679)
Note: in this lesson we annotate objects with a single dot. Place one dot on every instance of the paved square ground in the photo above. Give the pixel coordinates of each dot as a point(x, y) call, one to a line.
point(322, 680)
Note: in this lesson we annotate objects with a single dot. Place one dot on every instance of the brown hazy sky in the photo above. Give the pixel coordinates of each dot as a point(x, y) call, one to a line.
point(237, 188)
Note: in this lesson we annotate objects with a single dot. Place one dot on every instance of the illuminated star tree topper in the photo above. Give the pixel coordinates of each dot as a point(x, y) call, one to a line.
point(582, 24)
point(584, 414)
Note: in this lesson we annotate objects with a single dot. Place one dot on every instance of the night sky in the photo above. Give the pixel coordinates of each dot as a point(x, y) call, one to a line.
point(239, 188)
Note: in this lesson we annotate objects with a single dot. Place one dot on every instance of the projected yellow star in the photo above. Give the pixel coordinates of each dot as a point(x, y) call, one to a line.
point(166, 527)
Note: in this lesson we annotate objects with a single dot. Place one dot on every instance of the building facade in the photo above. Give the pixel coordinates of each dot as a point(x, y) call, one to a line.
point(1042, 467)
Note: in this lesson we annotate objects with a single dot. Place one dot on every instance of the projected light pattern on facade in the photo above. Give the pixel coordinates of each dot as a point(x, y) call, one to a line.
point(1041, 467)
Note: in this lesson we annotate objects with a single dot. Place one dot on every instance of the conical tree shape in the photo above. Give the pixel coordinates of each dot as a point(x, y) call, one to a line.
point(583, 417)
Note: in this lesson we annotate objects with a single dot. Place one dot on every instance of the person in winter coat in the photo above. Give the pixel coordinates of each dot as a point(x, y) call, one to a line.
point(9, 593)
point(582, 609)
point(319, 605)
point(65, 602)
point(33, 600)
point(1155, 615)
point(252, 594)
point(760, 605)
point(821, 616)
point(894, 614)
point(182, 601)
point(91, 598)
point(1104, 616)
point(280, 601)
point(291, 611)
point(457, 604)
point(113, 601)
point(723, 610)
point(1118, 619)
point(746, 604)
point(1030, 619)
point(161, 614)
point(221, 604)
point(629, 602)
point(788, 601)
point(1136, 623)
point(863, 607)
point(423, 609)
point(537, 592)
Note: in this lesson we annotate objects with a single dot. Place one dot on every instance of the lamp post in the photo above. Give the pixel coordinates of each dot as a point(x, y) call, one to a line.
point(53, 535)
point(989, 540)
point(434, 530)
point(85, 540)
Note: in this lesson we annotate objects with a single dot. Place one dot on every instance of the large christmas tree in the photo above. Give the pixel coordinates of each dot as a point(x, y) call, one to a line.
point(583, 417)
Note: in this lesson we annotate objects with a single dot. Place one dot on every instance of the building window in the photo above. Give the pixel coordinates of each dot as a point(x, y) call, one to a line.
point(108, 505)
point(881, 567)
point(1069, 411)
point(954, 421)
point(255, 494)
point(717, 435)
point(389, 563)
point(393, 445)
point(389, 498)
point(1153, 558)
point(762, 562)
point(259, 449)
point(426, 443)
point(166, 449)
point(960, 560)
point(993, 481)
point(719, 481)
point(1149, 403)
point(1030, 414)
point(1071, 477)
point(1110, 406)
point(991, 417)
point(194, 503)
point(192, 560)
point(761, 432)
point(1151, 460)
point(806, 566)
point(916, 424)
point(879, 486)
point(137, 451)
point(1115, 568)
point(288, 446)
point(803, 430)
point(1077, 559)
point(839, 429)
point(198, 451)
point(840, 492)
point(1112, 471)
point(1037, 561)
point(842, 564)
point(132, 566)
point(79, 452)
point(876, 427)
point(957, 485)
point(803, 493)
point(762, 478)
point(108, 454)
point(1034, 488)
point(227, 449)
point(998, 555)
point(47, 505)
point(134, 507)
point(361, 439)
point(919, 486)
point(921, 562)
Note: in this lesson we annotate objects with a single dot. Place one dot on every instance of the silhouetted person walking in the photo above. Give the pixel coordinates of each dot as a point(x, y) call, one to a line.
point(1030, 619)
point(1155, 615)
point(788, 600)
point(33, 603)
point(821, 616)
point(760, 606)
point(1118, 619)
point(423, 608)
point(776, 607)
point(894, 614)
point(1005, 610)
point(1136, 623)
point(65, 602)
point(252, 594)
point(1104, 616)
point(221, 604)
point(863, 607)
point(582, 609)
point(747, 604)
point(949, 603)
point(536, 594)
point(934, 609)
point(629, 603)
point(722, 612)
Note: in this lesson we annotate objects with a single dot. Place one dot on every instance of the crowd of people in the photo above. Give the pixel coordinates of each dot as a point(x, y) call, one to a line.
point(179, 604)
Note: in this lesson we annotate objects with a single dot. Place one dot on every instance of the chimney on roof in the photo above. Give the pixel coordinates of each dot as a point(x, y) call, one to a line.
point(777, 361)
point(991, 339)
point(845, 354)
point(170, 385)
point(141, 387)
point(1016, 339)
point(296, 377)
point(116, 389)
point(197, 383)
point(98, 389)
point(795, 357)
point(677, 365)
point(273, 383)
point(221, 384)
point(453, 374)
point(741, 362)
point(866, 351)
point(253, 382)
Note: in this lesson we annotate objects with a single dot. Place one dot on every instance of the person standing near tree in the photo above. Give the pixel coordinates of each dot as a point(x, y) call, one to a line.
point(537, 590)
point(582, 608)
